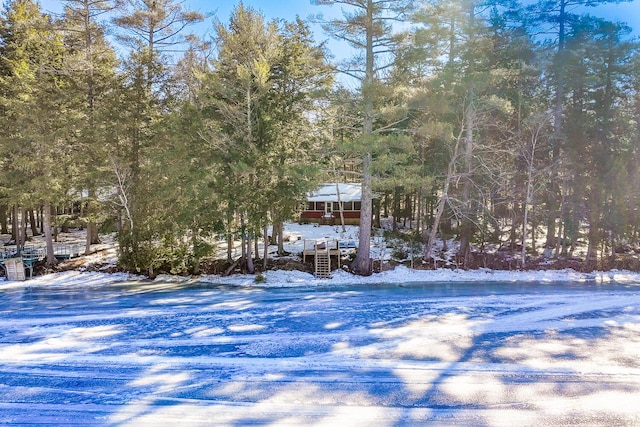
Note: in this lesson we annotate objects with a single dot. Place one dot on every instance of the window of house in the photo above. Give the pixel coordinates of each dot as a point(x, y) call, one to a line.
point(357, 206)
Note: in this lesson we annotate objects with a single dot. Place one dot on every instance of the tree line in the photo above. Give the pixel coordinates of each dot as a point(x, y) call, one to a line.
point(489, 121)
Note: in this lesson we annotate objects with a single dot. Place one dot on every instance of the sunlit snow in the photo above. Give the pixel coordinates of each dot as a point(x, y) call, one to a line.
point(403, 347)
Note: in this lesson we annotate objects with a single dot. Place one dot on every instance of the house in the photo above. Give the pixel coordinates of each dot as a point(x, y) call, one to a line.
point(332, 203)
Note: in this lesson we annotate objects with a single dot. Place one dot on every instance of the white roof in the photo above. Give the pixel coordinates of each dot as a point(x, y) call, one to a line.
point(327, 193)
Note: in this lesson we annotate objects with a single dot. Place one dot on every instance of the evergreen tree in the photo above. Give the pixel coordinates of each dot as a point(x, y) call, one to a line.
point(39, 155)
point(458, 47)
point(149, 28)
point(557, 19)
point(260, 95)
point(367, 27)
point(300, 78)
point(599, 66)
point(91, 67)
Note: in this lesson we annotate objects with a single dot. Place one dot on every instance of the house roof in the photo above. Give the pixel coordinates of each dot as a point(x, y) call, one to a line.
point(327, 193)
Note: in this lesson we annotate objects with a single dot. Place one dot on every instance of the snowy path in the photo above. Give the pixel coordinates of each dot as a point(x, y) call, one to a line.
point(137, 353)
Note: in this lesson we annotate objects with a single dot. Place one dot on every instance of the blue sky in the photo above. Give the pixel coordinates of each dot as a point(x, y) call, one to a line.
point(624, 12)
point(271, 9)
point(288, 9)
point(628, 12)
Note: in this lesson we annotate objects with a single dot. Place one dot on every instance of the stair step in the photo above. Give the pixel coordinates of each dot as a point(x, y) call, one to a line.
point(323, 265)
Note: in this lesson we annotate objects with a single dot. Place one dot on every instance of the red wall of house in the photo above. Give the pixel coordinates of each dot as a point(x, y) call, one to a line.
point(350, 217)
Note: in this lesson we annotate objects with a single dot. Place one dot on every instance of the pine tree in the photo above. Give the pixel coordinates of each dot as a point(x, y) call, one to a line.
point(38, 155)
point(557, 19)
point(457, 47)
point(149, 28)
point(299, 78)
point(367, 27)
point(259, 96)
point(91, 67)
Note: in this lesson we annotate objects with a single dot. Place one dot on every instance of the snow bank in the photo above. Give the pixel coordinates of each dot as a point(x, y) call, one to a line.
point(72, 279)
point(401, 274)
point(295, 234)
point(282, 278)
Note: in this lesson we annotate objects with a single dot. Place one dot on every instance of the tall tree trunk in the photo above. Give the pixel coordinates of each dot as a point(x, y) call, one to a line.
point(436, 224)
point(15, 227)
point(32, 223)
point(22, 228)
point(451, 174)
point(558, 128)
point(362, 263)
point(396, 209)
point(278, 234)
point(51, 259)
point(92, 237)
point(594, 238)
point(530, 156)
point(229, 248)
point(266, 249)
point(256, 249)
point(4, 224)
point(419, 210)
point(466, 226)
point(562, 214)
point(243, 238)
point(250, 267)
point(525, 217)
point(14, 223)
point(375, 206)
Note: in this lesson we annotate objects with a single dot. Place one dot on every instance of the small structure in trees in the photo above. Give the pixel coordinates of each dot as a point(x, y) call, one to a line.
point(14, 268)
point(333, 203)
point(322, 252)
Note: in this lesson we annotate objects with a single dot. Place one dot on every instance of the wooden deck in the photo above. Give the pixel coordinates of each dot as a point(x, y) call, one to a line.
point(322, 252)
point(30, 255)
point(311, 247)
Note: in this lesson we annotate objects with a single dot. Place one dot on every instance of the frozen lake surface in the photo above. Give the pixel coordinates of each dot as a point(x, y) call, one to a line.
point(125, 352)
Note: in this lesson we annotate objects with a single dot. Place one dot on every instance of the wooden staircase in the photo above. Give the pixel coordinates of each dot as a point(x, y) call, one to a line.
point(323, 264)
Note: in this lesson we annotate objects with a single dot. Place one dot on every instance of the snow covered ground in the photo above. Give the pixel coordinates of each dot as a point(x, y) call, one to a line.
point(399, 348)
